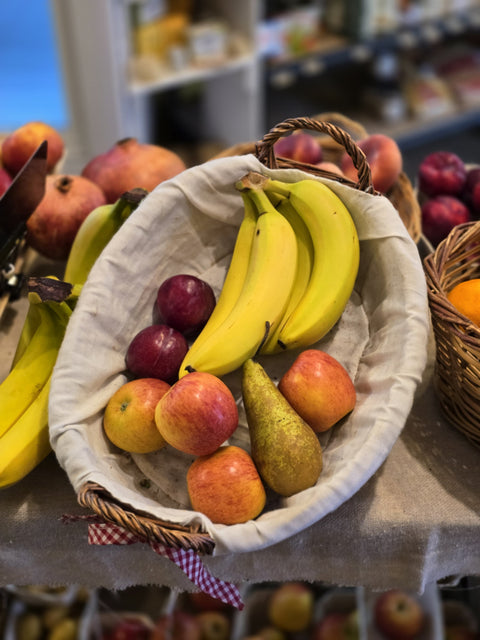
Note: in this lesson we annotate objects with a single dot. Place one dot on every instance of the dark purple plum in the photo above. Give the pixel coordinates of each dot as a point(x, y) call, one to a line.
point(156, 352)
point(185, 303)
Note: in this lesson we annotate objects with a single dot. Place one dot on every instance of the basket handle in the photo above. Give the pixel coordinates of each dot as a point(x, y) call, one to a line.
point(96, 498)
point(266, 155)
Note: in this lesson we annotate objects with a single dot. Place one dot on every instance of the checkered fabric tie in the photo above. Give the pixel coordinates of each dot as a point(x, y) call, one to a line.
point(103, 533)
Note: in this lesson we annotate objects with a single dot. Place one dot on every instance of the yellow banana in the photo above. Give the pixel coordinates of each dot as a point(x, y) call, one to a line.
point(32, 370)
point(335, 265)
point(27, 443)
point(305, 257)
point(95, 233)
point(235, 276)
point(262, 300)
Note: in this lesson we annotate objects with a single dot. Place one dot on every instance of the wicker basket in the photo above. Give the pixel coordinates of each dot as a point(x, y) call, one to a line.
point(336, 134)
point(457, 366)
point(335, 140)
point(93, 496)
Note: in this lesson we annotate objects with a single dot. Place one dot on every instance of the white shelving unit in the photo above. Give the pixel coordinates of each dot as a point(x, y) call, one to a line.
point(94, 39)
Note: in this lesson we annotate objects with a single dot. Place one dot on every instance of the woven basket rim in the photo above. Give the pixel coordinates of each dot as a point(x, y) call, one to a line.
point(344, 133)
point(94, 496)
point(457, 338)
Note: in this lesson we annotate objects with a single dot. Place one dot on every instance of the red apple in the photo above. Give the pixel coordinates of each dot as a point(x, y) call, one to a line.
point(291, 607)
point(130, 164)
point(201, 601)
point(21, 143)
point(300, 146)
point(185, 303)
point(129, 628)
point(471, 191)
point(440, 215)
point(178, 625)
point(129, 417)
point(197, 414)
point(384, 157)
point(225, 485)
point(319, 388)
point(331, 167)
point(5, 180)
point(337, 626)
point(398, 615)
point(442, 173)
point(52, 227)
point(214, 625)
point(156, 351)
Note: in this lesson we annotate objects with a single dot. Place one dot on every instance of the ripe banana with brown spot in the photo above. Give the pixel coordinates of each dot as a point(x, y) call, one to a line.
point(262, 300)
point(335, 264)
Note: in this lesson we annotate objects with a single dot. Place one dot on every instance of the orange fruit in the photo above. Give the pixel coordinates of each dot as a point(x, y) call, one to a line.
point(465, 297)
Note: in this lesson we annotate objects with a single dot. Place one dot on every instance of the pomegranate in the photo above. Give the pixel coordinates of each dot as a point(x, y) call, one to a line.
point(19, 145)
point(68, 199)
point(130, 164)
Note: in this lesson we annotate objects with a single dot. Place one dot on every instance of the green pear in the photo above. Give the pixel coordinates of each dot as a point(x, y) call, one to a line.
point(286, 451)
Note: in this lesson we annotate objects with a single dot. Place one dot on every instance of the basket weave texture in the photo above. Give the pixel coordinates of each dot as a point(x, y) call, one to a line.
point(457, 364)
point(336, 134)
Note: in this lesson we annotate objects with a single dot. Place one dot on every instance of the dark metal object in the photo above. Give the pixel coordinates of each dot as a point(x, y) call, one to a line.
point(16, 205)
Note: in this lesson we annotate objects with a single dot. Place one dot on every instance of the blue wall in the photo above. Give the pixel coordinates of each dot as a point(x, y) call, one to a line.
point(31, 86)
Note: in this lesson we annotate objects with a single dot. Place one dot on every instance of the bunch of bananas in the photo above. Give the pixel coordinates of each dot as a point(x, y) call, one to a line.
point(95, 233)
point(24, 393)
point(292, 272)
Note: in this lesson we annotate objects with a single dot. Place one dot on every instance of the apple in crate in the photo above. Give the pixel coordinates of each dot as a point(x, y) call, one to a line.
point(319, 388)
point(197, 414)
point(300, 146)
point(129, 417)
point(337, 625)
point(291, 607)
point(442, 172)
point(441, 214)
point(225, 486)
point(214, 625)
point(177, 625)
point(384, 158)
point(19, 145)
point(157, 351)
point(398, 615)
point(185, 303)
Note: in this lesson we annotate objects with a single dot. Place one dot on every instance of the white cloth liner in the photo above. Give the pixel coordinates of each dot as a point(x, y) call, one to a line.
point(189, 224)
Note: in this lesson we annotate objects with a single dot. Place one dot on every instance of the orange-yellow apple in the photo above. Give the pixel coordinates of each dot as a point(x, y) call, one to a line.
point(384, 157)
point(291, 606)
point(398, 615)
point(197, 414)
point(225, 486)
point(319, 388)
point(19, 145)
point(214, 625)
point(129, 417)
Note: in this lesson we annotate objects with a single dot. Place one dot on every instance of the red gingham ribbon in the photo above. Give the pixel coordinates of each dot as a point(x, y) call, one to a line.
point(103, 533)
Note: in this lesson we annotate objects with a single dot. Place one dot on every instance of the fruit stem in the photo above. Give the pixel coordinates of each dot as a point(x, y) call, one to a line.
point(63, 184)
